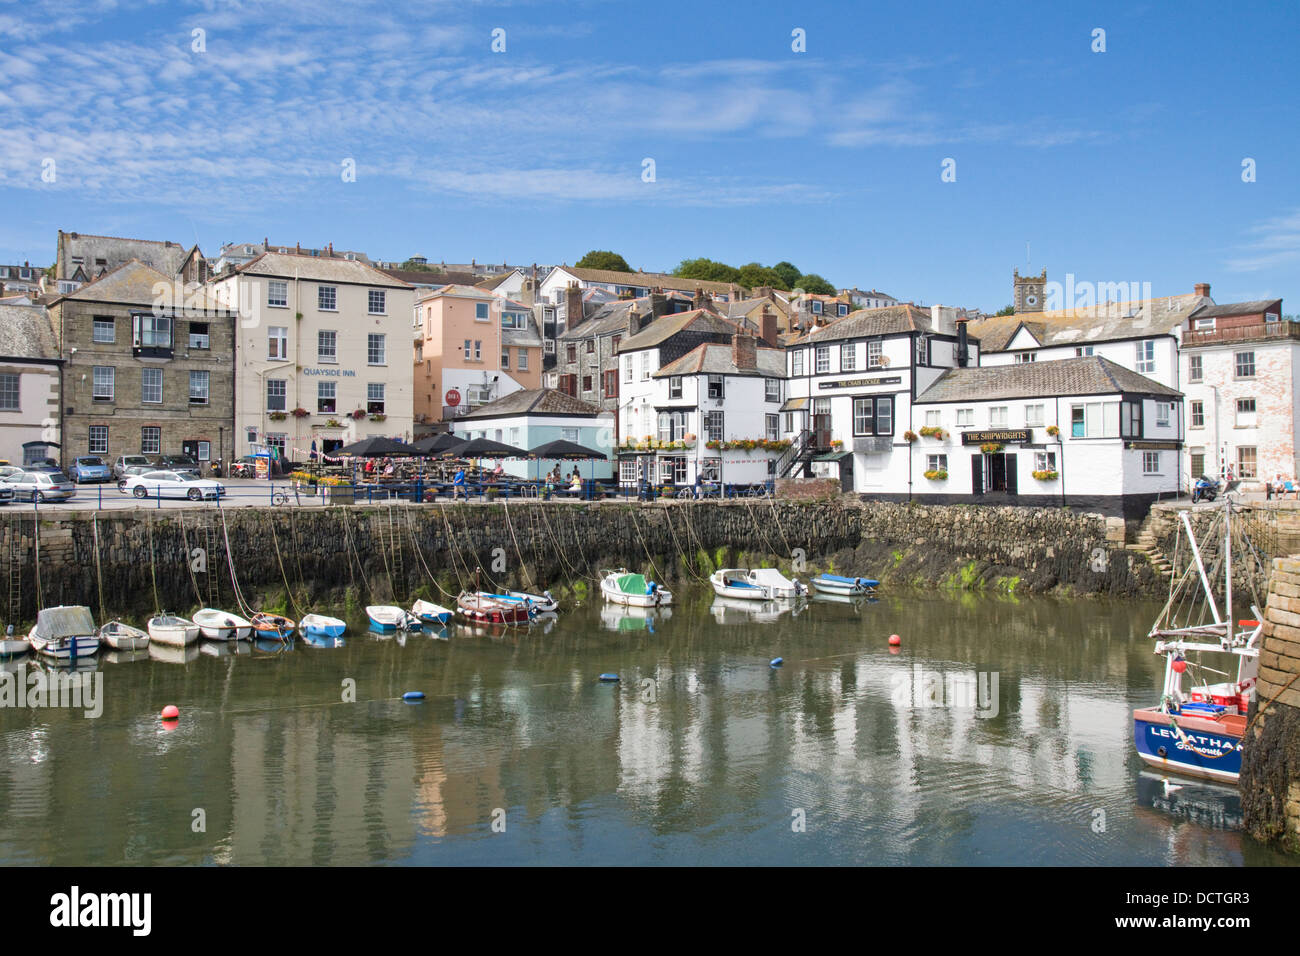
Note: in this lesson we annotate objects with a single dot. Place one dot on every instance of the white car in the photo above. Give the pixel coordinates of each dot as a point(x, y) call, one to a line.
point(170, 484)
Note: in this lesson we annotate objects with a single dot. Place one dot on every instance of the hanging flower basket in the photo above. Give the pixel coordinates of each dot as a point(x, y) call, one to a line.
point(909, 436)
point(1045, 475)
point(991, 447)
point(837, 444)
point(300, 413)
point(1053, 430)
point(359, 414)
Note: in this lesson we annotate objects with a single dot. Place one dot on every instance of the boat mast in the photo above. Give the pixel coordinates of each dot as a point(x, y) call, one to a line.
point(1200, 567)
point(1227, 562)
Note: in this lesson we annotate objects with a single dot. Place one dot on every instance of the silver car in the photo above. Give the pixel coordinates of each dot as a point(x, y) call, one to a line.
point(41, 486)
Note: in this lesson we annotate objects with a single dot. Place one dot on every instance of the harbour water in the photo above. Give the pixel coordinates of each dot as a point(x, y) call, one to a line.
point(998, 733)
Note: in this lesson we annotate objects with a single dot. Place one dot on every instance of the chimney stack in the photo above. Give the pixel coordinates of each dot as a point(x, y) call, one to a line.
point(658, 303)
point(572, 305)
point(633, 322)
point(1202, 288)
point(744, 351)
point(767, 327)
point(963, 345)
point(698, 301)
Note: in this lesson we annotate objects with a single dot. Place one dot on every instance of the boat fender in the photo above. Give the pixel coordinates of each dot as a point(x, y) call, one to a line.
point(1180, 665)
point(776, 662)
point(413, 695)
point(608, 678)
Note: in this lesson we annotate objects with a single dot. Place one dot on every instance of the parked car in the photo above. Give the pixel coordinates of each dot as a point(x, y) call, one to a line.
point(6, 493)
point(41, 486)
point(178, 463)
point(170, 484)
point(90, 468)
point(7, 470)
point(132, 465)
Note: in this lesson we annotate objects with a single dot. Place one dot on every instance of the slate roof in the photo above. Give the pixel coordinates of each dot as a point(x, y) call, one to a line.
point(534, 401)
point(163, 254)
point(1256, 307)
point(865, 323)
point(711, 358)
point(698, 320)
point(419, 277)
point(133, 284)
point(289, 265)
point(1090, 375)
point(610, 317)
point(1104, 322)
point(26, 332)
point(650, 280)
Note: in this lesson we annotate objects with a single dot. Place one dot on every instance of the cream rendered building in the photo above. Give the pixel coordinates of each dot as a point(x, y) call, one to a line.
point(322, 352)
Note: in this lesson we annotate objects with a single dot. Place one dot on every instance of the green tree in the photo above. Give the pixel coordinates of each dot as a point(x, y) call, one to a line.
point(409, 266)
point(789, 274)
point(706, 269)
point(1009, 310)
point(752, 275)
point(603, 259)
point(816, 284)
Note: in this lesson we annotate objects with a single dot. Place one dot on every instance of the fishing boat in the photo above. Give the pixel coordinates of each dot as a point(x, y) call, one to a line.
point(272, 627)
point(13, 646)
point(386, 617)
point(1199, 732)
point(65, 633)
point(838, 584)
point(479, 607)
point(430, 613)
point(623, 587)
point(760, 584)
point(218, 625)
point(321, 625)
point(172, 630)
point(123, 637)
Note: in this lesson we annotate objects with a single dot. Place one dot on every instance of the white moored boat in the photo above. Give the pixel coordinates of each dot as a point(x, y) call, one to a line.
point(172, 630)
point(218, 625)
point(386, 617)
point(321, 625)
point(65, 633)
point(12, 646)
point(623, 587)
point(838, 584)
point(760, 584)
point(123, 637)
point(431, 613)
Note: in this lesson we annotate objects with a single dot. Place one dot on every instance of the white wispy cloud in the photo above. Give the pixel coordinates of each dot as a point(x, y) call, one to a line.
point(1272, 243)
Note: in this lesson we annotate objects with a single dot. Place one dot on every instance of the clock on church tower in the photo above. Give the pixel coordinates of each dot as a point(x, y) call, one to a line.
point(1029, 291)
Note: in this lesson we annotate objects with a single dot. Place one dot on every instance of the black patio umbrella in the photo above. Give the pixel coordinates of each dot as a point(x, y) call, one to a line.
point(376, 446)
point(435, 443)
point(484, 448)
point(567, 451)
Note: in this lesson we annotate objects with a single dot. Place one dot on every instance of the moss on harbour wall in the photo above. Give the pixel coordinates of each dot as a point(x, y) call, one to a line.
point(364, 554)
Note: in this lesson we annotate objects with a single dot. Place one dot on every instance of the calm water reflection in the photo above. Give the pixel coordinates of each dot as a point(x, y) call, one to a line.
point(702, 754)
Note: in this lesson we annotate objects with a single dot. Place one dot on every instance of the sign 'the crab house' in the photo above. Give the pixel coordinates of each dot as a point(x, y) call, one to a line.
point(1001, 436)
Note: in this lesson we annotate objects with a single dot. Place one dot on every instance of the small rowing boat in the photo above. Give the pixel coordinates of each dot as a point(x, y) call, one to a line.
point(123, 637)
point(172, 630)
point(272, 627)
point(481, 608)
point(321, 625)
point(218, 625)
point(430, 613)
point(540, 603)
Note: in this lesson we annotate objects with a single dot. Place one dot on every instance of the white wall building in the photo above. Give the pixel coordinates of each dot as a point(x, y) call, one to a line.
point(328, 337)
point(1080, 432)
point(725, 395)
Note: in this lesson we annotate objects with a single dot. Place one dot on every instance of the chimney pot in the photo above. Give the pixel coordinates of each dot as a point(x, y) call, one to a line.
point(1203, 288)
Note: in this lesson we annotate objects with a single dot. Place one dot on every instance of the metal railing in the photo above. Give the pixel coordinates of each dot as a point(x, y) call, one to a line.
point(1282, 329)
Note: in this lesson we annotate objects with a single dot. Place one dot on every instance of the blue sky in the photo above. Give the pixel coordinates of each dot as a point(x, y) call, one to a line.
point(1115, 166)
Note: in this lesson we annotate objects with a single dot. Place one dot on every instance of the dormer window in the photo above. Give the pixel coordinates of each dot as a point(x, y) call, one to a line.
point(816, 307)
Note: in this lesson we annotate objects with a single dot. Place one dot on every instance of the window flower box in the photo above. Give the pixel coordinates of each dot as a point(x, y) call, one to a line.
point(378, 417)
point(936, 474)
point(991, 447)
point(277, 416)
point(1045, 475)
point(933, 431)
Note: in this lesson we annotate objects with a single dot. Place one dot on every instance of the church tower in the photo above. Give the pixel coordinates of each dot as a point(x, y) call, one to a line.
point(1029, 292)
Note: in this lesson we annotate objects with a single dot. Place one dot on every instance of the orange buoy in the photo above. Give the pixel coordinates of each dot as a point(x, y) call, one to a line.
point(171, 712)
point(895, 640)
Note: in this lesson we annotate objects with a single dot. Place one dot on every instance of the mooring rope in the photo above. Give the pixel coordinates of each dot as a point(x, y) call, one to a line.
point(419, 554)
point(275, 538)
point(354, 553)
point(644, 546)
point(189, 564)
point(519, 554)
point(454, 548)
point(99, 573)
point(153, 563)
point(36, 545)
point(243, 605)
point(686, 559)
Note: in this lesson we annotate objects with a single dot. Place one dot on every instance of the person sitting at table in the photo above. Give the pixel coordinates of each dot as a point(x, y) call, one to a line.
point(496, 473)
point(575, 482)
point(388, 467)
point(369, 467)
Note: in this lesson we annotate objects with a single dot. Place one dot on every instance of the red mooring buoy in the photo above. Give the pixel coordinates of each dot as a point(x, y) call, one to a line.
point(895, 640)
point(171, 712)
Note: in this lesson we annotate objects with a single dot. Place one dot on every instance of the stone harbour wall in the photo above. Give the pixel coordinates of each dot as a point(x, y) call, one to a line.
point(1270, 767)
point(146, 559)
